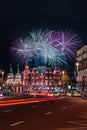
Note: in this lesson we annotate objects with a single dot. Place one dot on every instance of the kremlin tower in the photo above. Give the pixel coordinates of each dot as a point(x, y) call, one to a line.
point(26, 77)
point(10, 77)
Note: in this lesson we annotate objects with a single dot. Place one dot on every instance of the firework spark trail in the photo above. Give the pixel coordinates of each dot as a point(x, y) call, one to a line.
point(46, 44)
point(20, 50)
point(68, 43)
point(49, 51)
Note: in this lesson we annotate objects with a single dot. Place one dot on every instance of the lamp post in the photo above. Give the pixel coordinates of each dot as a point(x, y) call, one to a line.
point(77, 78)
point(63, 78)
point(2, 77)
point(77, 64)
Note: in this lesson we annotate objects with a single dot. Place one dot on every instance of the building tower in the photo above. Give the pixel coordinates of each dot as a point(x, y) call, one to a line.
point(26, 78)
point(10, 77)
point(18, 76)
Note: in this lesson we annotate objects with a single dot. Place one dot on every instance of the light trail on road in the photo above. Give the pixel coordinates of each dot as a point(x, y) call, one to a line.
point(25, 101)
point(48, 113)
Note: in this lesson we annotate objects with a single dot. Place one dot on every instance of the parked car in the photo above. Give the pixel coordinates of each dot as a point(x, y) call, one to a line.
point(68, 94)
point(76, 94)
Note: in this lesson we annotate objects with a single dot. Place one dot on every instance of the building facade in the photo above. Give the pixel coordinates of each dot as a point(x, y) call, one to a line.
point(41, 78)
point(81, 66)
point(36, 78)
point(13, 82)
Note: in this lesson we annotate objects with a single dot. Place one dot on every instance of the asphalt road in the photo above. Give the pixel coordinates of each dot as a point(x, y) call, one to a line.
point(61, 114)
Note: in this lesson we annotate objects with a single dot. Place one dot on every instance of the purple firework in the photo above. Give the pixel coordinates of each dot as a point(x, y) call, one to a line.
point(67, 42)
point(49, 44)
point(20, 50)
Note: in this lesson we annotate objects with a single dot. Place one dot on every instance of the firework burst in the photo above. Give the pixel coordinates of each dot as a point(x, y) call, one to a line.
point(20, 50)
point(68, 43)
point(42, 45)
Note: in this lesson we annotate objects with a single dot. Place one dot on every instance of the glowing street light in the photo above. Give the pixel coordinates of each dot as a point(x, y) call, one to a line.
point(63, 77)
point(63, 73)
point(77, 64)
point(2, 76)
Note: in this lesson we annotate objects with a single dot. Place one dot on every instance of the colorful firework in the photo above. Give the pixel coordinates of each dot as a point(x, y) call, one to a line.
point(20, 50)
point(68, 43)
point(45, 41)
point(42, 45)
point(24, 49)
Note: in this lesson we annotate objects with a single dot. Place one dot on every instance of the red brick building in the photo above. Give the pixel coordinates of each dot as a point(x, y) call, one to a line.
point(41, 77)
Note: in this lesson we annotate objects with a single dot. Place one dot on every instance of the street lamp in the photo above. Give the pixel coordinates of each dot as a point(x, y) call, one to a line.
point(77, 78)
point(77, 64)
point(63, 77)
point(2, 77)
point(63, 73)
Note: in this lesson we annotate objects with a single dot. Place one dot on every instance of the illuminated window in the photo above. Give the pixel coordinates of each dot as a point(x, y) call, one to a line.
point(33, 77)
point(46, 77)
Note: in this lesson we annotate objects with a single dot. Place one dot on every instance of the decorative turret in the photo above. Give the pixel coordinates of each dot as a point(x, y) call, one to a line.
point(26, 66)
point(18, 75)
point(10, 77)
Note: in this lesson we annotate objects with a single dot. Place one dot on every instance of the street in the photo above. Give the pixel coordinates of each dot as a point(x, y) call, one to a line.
point(68, 113)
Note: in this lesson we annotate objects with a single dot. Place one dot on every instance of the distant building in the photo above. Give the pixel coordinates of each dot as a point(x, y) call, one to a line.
point(26, 78)
point(10, 77)
point(14, 81)
point(81, 59)
point(36, 78)
point(41, 77)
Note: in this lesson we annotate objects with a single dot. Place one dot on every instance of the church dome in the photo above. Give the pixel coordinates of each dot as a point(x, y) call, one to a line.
point(10, 75)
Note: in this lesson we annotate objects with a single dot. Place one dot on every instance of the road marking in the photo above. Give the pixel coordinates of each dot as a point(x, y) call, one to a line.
point(77, 123)
point(17, 123)
point(7, 110)
point(33, 106)
point(48, 113)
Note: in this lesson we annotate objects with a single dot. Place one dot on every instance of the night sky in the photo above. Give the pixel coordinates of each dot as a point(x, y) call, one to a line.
point(18, 18)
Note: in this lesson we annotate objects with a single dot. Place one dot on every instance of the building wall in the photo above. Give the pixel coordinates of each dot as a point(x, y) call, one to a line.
point(35, 79)
point(41, 80)
point(81, 58)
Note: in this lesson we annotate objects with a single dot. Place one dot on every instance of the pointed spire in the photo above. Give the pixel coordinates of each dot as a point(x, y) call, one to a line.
point(11, 71)
point(26, 65)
